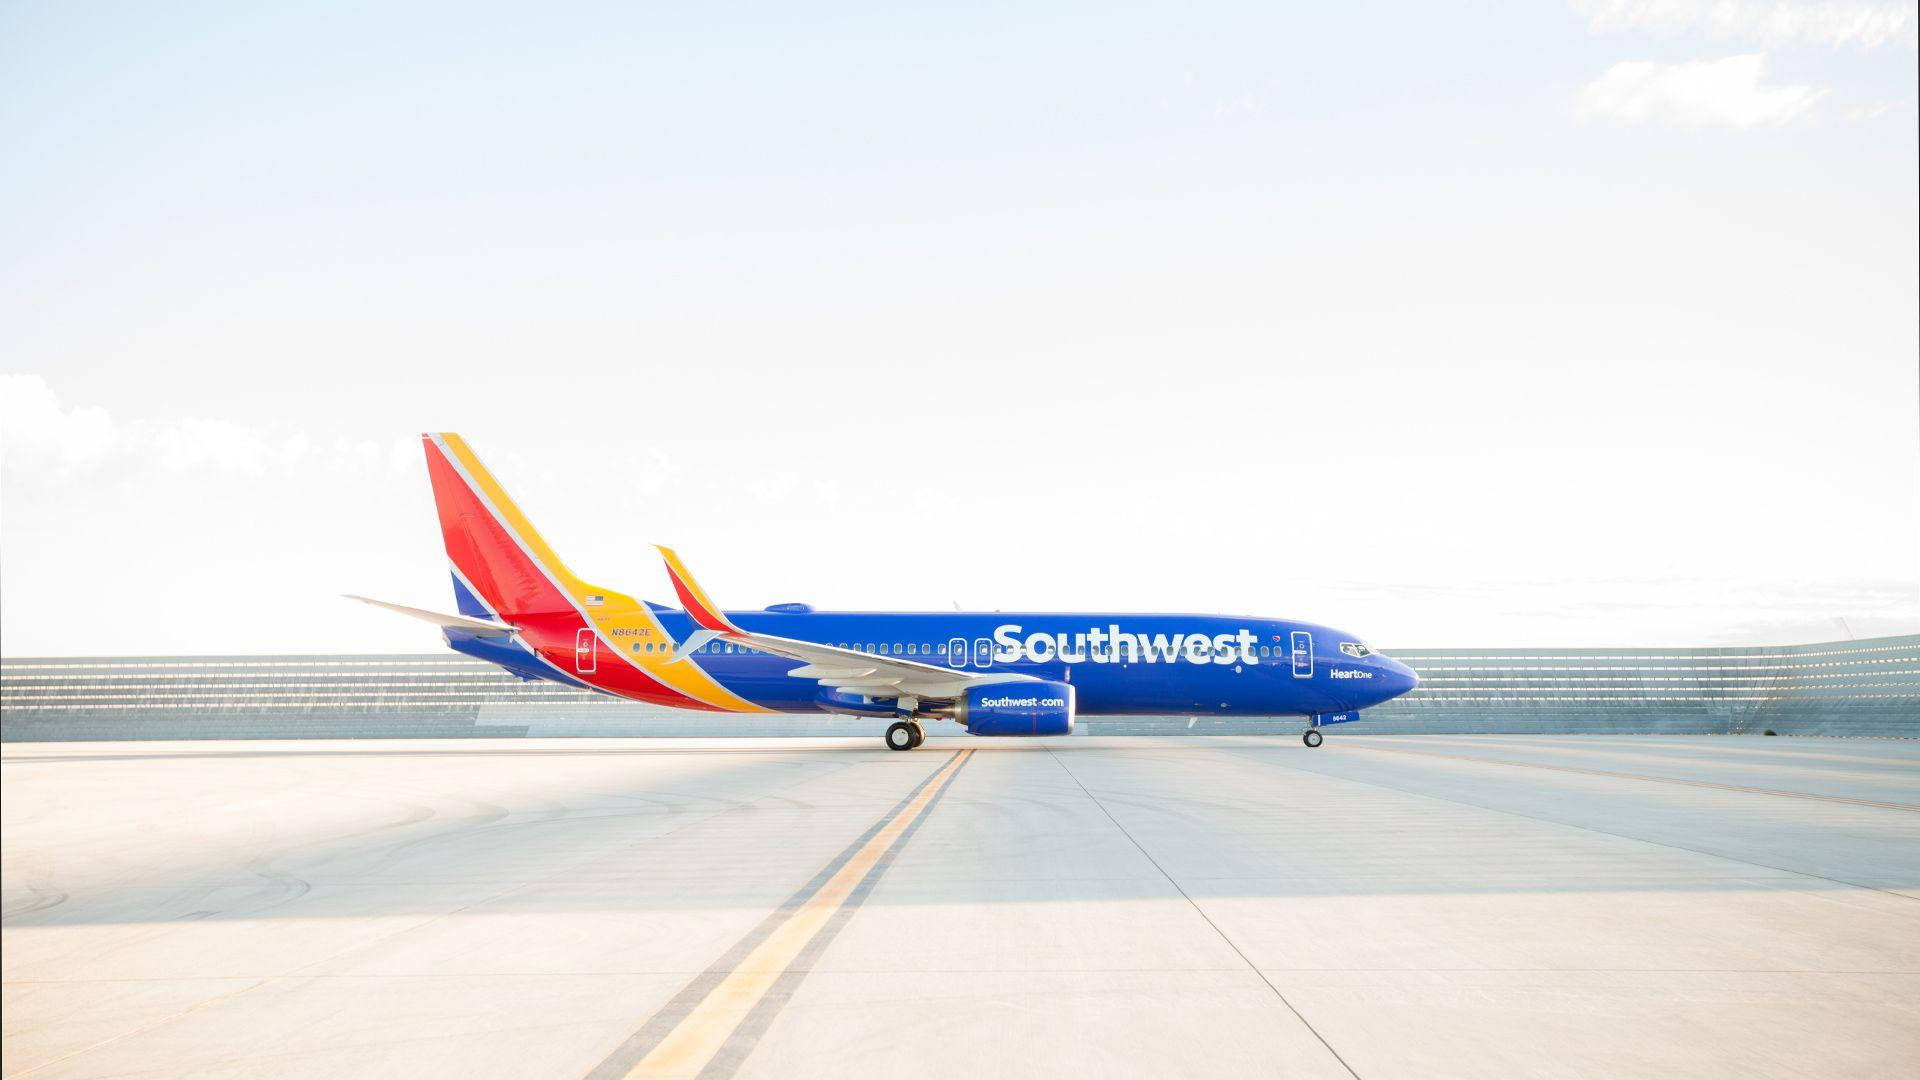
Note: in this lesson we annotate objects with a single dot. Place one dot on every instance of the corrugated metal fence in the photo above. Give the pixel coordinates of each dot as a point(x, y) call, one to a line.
point(1866, 687)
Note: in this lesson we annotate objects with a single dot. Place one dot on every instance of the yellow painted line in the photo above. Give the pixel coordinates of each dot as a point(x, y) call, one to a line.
point(696, 1039)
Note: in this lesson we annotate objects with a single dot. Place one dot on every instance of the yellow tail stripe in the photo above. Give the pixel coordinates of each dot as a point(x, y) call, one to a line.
point(515, 520)
point(688, 678)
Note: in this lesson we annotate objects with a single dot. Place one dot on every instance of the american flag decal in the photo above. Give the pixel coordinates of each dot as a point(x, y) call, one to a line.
point(596, 601)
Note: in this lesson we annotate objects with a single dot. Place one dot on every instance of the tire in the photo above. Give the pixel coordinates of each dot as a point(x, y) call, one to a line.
point(919, 736)
point(900, 736)
point(1312, 737)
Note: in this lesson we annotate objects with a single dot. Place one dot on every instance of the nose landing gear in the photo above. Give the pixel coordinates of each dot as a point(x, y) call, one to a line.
point(1312, 737)
point(905, 735)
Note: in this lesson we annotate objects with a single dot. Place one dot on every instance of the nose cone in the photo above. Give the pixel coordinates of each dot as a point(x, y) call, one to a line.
point(1396, 678)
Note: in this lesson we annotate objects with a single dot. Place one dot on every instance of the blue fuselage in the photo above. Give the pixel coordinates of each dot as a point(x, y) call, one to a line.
point(1117, 664)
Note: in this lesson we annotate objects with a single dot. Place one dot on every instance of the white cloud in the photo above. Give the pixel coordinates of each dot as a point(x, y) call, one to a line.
point(38, 438)
point(1703, 93)
point(43, 443)
point(1859, 25)
point(194, 444)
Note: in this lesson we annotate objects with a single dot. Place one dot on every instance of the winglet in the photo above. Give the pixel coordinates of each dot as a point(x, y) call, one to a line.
point(692, 597)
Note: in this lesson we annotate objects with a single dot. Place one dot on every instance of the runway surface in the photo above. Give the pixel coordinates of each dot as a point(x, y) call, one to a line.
point(1380, 907)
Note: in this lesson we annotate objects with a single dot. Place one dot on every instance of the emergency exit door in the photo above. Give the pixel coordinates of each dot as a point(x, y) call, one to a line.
point(585, 652)
point(1302, 654)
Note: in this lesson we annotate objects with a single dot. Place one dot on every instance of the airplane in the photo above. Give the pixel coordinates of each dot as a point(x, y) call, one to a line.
point(993, 673)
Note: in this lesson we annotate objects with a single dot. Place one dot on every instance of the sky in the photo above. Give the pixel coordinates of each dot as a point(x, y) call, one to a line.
point(1522, 324)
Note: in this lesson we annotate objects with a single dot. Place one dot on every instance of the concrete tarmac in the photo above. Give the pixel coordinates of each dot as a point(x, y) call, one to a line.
point(1413, 906)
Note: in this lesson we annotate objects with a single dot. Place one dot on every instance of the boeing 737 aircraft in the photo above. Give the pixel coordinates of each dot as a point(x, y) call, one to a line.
point(1001, 673)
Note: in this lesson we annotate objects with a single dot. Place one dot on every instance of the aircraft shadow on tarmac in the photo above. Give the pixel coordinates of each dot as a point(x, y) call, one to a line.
point(1055, 822)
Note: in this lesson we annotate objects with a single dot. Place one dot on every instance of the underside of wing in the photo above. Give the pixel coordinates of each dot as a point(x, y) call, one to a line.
point(869, 675)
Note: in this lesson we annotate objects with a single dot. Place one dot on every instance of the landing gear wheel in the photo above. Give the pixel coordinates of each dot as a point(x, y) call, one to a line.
point(900, 736)
point(919, 736)
point(1312, 737)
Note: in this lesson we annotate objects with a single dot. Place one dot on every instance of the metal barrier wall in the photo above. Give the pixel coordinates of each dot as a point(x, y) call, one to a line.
point(1866, 687)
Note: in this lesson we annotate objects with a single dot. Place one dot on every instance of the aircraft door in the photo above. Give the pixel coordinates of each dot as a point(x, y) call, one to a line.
point(957, 652)
point(982, 652)
point(585, 652)
point(1302, 654)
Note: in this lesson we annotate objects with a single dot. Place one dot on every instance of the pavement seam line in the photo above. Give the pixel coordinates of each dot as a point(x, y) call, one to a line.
point(1198, 910)
point(1579, 828)
point(706, 1013)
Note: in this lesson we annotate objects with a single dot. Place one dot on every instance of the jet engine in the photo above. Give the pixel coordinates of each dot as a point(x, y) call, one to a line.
point(1016, 708)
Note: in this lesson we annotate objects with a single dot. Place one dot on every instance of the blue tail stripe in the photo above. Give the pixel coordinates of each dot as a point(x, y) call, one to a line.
point(467, 603)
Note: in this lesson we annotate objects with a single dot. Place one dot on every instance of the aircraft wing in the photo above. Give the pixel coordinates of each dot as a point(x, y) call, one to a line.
point(848, 670)
point(872, 675)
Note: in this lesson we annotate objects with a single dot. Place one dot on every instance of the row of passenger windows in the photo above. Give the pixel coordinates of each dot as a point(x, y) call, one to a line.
point(880, 649)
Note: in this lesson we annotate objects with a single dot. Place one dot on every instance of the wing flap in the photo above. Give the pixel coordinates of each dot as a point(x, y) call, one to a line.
point(823, 671)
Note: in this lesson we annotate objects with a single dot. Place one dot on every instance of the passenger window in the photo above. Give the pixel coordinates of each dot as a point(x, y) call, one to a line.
point(896, 648)
point(911, 651)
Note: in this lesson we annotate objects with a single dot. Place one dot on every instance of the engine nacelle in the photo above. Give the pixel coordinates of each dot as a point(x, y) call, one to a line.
point(1021, 708)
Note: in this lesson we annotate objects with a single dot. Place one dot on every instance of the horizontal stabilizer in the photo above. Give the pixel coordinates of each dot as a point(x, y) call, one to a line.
point(465, 622)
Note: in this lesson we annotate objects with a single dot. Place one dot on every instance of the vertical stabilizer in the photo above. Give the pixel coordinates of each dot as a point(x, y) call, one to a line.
point(501, 566)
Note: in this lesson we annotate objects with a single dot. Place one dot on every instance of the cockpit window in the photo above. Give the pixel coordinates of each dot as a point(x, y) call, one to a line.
point(1355, 649)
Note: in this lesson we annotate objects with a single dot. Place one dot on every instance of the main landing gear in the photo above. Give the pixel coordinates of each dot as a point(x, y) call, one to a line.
point(1312, 737)
point(905, 735)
